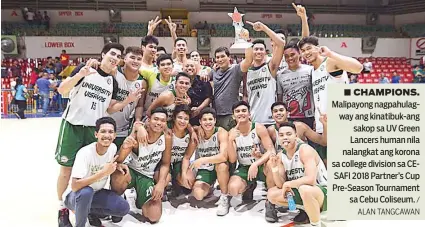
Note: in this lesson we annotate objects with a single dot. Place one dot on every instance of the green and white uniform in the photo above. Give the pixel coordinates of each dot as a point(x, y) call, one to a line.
point(142, 167)
point(283, 65)
point(88, 101)
point(170, 108)
point(261, 89)
point(294, 169)
point(177, 153)
point(208, 148)
point(320, 80)
point(123, 118)
point(244, 149)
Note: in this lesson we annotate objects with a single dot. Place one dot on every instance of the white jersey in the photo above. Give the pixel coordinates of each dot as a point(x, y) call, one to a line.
point(179, 147)
point(89, 100)
point(170, 108)
point(261, 89)
point(283, 65)
point(87, 163)
point(148, 157)
point(123, 116)
point(320, 79)
point(245, 146)
point(208, 148)
point(277, 145)
point(294, 168)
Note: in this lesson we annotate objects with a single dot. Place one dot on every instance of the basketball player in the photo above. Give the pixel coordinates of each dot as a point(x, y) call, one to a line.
point(244, 140)
point(182, 150)
point(149, 48)
point(92, 95)
point(329, 67)
point(158, 83)
point(304, 133)
point(159, 51)
point(129, 80)
point(211, 164)
point(178, 95)
point(93, 165)
point(294, 86)
point(180, 46)
point(196, 57)
point(261, 78)
point(301, 172)
point(142, 164)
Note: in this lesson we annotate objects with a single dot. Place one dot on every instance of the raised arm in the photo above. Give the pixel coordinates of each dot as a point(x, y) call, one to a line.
point(340, 62)
point(302, 13)
point(160, 101)
point(173, 27)
point(249, 57)
point(77, 76)
point(153, 24)
point(141, 103)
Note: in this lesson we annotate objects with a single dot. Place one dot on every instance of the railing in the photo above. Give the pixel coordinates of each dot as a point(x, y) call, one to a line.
point(57, 103)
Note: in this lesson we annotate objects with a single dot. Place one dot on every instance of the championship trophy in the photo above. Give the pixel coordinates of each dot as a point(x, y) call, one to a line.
point(241, 34)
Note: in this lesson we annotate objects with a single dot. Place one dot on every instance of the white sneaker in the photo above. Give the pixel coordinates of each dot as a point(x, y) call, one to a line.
point(223, 205)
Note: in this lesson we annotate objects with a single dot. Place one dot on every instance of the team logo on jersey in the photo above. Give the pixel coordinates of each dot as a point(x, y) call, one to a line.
point(322, 67)
point(186, 140)
point(263, 69)
point(296, 158)
point(214, 139)
point(160, 142)
point(137, 85)
point(253, 135)
point(64, 159)
point(109, 81)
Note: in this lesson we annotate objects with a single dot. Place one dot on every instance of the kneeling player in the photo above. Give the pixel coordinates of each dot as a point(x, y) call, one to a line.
point(211, 164)
point(143, 160)
point(244, 141)
point(182, 150)
point(301, 172)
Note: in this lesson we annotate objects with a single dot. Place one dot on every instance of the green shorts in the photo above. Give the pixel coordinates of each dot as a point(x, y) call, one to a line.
point(225, 121)
point(143, 185)
point(242, 172)
point(299, 201)
point(119, 141)
point(175, 169)
point(206, 176)
point(71, 139)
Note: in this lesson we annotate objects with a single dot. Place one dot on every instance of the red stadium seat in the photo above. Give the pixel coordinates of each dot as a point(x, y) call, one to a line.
point(378, 70)
point(385, 70)
point(375, 80)
point(366, 75)
point(361, 81)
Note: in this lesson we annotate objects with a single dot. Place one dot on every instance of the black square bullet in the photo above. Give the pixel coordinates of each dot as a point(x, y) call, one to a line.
point(347, 92)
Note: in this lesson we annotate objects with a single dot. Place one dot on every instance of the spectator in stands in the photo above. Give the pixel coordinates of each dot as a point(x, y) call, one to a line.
point(353, 79)
point(15, 69)
point(383, 79)
point(419, 75)
point(29, 16)
point(38, 18)
point(33, 78)
point(367, 66)
point(58, 66)
point(212, 29)
point(64, 58)
point(46, 20)
point(50, 69)
point(20, 98)
point(43, 88)
point(395, 79)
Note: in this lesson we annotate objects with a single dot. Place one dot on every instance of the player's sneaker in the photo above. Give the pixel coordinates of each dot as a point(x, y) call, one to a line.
point(249, 192)
point(94, 220)
point(63, 218)
point(223, 205)
point(271, 213)
point(116, 219)
point(301, 218)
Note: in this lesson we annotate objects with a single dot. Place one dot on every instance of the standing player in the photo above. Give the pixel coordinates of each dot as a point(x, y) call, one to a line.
point(261, 78)
point(129, 80)
point(196, 57)
point(329, 67)
point(92, 95)
point(142, 164)
point(93, 165)
point(180, 46)
point(149, 48)
point(301, 172)
point(158, 83)
point(211, 164)
point(294, 86)
point(244, 140)
point(178, 95)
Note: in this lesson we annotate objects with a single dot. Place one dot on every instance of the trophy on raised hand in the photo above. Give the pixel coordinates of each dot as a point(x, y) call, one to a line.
point(241, 34)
